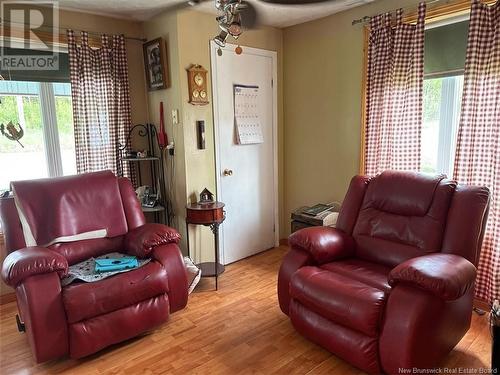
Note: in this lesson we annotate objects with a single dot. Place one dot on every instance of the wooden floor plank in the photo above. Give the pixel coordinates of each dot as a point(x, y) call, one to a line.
point(238, 329)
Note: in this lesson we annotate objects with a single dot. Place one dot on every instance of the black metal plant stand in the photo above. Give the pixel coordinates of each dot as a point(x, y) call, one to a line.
point(154, 159)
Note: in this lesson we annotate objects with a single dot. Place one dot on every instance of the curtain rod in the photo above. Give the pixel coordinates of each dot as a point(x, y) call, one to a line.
point(365, 19)
point(94, 33)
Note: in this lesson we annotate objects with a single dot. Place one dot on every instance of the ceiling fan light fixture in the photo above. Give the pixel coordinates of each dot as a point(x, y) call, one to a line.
point(229, 19)
point(220, 39)
point(224, 27)
point(219, 4)
point(235, 26)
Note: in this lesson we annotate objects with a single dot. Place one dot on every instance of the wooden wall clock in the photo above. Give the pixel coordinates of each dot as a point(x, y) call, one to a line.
point(197, 85)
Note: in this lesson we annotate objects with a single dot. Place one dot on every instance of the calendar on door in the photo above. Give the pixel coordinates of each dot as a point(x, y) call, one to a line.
point(246, 115)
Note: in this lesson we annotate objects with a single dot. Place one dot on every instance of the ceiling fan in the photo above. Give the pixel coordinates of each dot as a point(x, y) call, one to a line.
point(236, 15)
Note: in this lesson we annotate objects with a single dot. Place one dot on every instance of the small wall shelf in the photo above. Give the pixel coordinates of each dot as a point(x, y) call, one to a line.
point(156, 208)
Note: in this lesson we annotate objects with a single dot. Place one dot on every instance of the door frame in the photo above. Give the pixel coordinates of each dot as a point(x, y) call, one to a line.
point(215, 105)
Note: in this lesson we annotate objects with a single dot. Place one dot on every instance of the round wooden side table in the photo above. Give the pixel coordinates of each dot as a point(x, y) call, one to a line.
point(211, 215)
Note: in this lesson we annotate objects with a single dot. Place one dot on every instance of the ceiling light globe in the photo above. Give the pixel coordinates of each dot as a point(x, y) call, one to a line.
point(234, 29)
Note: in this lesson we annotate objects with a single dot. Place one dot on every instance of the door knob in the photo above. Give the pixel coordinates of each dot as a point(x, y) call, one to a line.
point(227, 172)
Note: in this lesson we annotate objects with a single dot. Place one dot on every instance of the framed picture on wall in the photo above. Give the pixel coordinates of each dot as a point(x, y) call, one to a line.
point(155, 63)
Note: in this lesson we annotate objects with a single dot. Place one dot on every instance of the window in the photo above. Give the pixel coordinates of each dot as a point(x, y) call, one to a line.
point(442, 99)
point(43, 110)
point(445, 49)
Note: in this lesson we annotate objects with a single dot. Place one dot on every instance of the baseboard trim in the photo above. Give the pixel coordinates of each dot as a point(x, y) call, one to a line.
point(7, 298)
point(284, 242)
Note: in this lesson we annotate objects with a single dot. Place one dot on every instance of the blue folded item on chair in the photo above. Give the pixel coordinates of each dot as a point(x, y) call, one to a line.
point(115, 264)
point(88, 271)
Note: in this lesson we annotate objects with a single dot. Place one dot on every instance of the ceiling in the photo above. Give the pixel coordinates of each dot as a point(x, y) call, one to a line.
point(269, 14)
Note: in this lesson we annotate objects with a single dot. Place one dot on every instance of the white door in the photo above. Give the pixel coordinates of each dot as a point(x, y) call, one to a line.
point(250, 192)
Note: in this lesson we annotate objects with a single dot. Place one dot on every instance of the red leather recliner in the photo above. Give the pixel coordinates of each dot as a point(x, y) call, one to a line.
point(82, 318)
point(391, 287)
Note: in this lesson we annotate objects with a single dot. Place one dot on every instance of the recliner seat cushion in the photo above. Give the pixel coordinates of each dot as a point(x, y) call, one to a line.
point(375, 275)
point(339, 298)
point(87, 300)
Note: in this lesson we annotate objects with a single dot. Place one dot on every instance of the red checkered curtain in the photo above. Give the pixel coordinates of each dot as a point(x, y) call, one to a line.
point(477, 159)
point(101, 102)
point(394, 93)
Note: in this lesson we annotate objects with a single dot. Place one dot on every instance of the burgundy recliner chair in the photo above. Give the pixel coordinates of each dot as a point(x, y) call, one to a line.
point(82, 318)
point(391, 287)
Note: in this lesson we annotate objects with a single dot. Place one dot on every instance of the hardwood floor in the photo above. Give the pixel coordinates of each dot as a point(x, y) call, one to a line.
point(236, 330)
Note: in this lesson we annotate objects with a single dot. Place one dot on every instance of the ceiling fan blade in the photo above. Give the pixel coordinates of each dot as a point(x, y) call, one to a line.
point(183, 5)
point(293, 2)
point(249, 16)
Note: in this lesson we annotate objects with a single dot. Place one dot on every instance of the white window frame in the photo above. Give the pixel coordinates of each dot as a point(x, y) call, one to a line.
point(50, 130)
point(451, 93)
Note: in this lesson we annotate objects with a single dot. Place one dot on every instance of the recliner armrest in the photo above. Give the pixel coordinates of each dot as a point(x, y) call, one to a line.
point(447, 276)
point(142, 240)
point(170, 257)
point(30, 261)
point(325, 244)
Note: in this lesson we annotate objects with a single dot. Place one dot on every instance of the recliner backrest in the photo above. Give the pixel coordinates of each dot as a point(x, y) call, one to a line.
point(128, 214)
point(396, 216)
point(69, 208)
